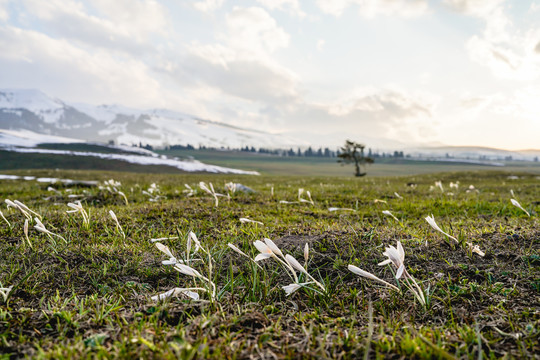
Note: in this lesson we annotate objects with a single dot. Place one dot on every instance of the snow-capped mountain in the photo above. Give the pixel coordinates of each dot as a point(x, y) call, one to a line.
point(35, 111)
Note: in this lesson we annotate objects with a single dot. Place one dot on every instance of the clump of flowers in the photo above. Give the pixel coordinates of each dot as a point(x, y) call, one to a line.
point(112, 186)
point(268, 249)
point(153, 192)
point(189, 191)
point(78, 208)
point(185, 266)
point(209, 188)
point(396, 258)
point(473, 248)
point(41, 228)
point(301, 198)
point(23, 209)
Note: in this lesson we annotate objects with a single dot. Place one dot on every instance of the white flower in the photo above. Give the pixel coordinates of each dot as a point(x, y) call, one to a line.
point(41, 228)
point(439, 184)
point(118, 226)
point(265, 251)
point(380, 201)
point(210, 190)
point(369, 275)
point(165, 249)
point(291, 288)
point(189, 190)
point(515, 203)
point(25, 229)
point(431, 221)
point(398, 196)
point(3, 217)
point(164, 238)
point(5, 291)
point(12, 204)
point(306, 253)
point(176, 292)
point(395, 256)
point(22, 206)
point(77, 207)
point(387, 212)
point(246, 220)
point(193, 237)
point(340, 209)
point(475, 249)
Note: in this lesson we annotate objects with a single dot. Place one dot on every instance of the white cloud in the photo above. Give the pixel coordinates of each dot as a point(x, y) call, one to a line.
point(33, 60)
point(122, 25)
point(290, 6)
point(373, 8)
point(4, 13)
point(253, 31)
point(508, 118)
point(320, 44)
point(208, 5)
point(480, 8)
point(506, 51)
point(240, 65)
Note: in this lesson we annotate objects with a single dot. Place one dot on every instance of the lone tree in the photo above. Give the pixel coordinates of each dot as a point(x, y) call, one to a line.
point(354, 152)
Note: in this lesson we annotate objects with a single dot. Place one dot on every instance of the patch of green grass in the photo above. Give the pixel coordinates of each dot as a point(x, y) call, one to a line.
point(91, 296)
point(313, 166)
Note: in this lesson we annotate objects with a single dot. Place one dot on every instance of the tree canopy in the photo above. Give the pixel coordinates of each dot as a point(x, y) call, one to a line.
point(353, 152)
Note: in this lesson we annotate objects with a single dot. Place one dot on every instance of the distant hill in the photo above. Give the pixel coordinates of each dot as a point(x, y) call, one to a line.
point(35, 111)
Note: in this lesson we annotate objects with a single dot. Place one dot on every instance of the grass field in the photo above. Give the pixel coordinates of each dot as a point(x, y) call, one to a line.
point(313, 166)
point(89, 293)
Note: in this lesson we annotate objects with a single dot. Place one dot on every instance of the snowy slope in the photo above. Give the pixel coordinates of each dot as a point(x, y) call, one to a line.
point(26, 138)
point(24, 141)
point(35, 111)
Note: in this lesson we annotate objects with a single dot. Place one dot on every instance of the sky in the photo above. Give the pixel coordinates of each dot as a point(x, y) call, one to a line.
point(455, 72)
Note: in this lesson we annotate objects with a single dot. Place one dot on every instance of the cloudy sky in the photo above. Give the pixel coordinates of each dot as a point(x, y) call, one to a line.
point(458, 72)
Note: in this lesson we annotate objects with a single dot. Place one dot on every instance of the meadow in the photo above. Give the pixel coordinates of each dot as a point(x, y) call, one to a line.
point(84, 285)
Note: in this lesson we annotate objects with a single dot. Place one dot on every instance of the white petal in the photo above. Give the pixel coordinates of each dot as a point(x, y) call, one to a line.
point(291, 288)
point(187, 270)
point(164, 249)
point(237, 249)
point(361, 272)
point(401, 251)
point(273, 247)
point(400, 270)
point(295, 264)
point(262, 247)
point(262, 256)
point(431, 221)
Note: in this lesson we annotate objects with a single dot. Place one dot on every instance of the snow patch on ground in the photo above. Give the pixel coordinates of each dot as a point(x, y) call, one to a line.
point(190, 166)
point(28, 138)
